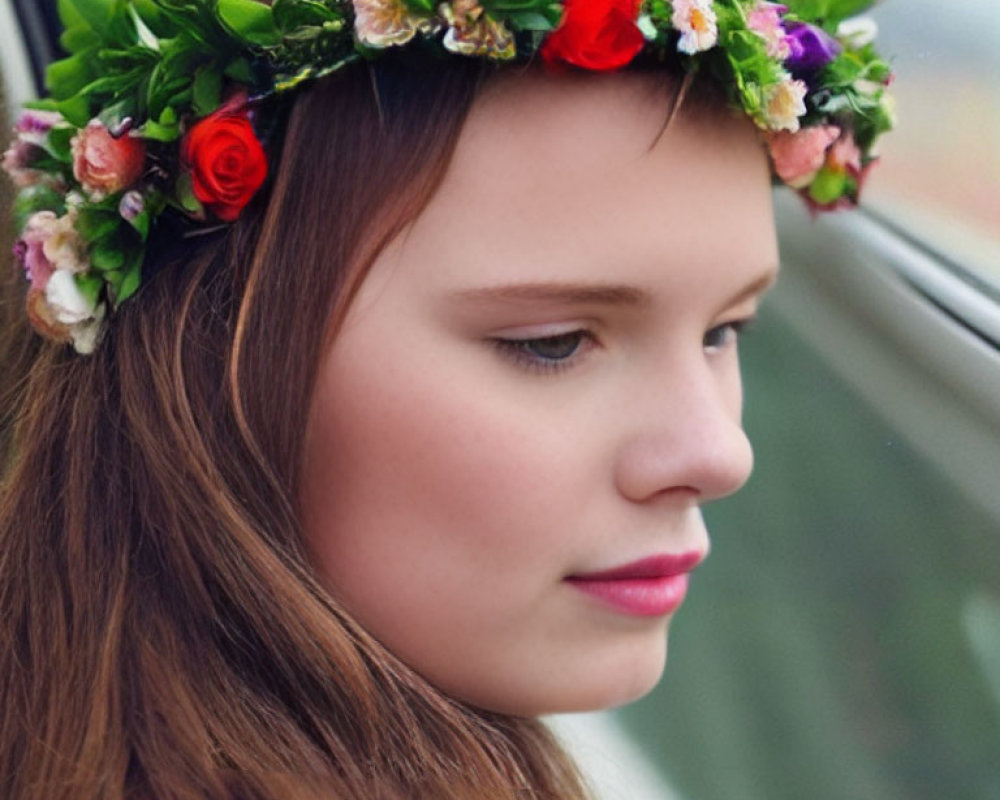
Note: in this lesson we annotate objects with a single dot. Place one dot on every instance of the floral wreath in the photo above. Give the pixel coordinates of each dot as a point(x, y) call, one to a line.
point(158, 106)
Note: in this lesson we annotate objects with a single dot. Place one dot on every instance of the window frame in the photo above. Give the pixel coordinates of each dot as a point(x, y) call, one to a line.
point(904, 327)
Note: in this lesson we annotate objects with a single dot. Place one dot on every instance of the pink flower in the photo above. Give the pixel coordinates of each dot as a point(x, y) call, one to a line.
point(695, 20)
point(845, 156)
point(37, 122)
point(49, 243)
point(103, 164)
point(797, 157)
point(764, 19)
point(843, 175)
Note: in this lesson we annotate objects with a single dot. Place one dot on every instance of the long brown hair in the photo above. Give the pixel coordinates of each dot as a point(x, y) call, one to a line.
point(162, 631)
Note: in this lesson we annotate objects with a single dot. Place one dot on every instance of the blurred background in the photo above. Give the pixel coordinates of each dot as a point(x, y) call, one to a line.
point(843, 641)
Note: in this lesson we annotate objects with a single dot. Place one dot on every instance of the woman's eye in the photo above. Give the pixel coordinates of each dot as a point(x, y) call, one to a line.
point(545, 353)
point(725, 335)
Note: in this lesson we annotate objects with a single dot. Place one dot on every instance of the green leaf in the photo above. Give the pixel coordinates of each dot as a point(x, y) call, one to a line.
point(113, 115)
point(107, 255)
point(292, 14)
point(840, 10)
point(828, 186)
point(146, 37)
point(207, 91)
point(130, 282)
point(96, 13)
point(829, 13)
point(68, 14)
point(153, 17)
point(420, 6)
point(58, 143)
point(89, 285)
point(79, 38)
point(95, 224)
point(185, 195)
point(251, 21)
point(239, 70)
point(156, 131)
point(66, 77)
point(141, 222)
point(525, 15)
point(76, 110)
point(33, 199)
point(532, 21)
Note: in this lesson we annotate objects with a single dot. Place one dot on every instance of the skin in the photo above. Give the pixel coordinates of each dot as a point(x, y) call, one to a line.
point(453, 479)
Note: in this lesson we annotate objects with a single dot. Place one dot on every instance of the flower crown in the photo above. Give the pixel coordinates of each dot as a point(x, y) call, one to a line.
point(158, 105)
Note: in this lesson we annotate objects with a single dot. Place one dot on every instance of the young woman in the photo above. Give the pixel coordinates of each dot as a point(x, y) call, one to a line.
point(405, 448)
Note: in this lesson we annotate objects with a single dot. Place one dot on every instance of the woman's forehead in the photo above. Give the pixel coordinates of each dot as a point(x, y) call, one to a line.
point(561, 177)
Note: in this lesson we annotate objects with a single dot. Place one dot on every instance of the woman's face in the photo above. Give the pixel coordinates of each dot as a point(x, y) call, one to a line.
point(539, 383)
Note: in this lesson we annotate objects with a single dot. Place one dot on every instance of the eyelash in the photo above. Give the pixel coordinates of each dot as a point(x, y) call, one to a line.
point(739, 328)
point(520, 350)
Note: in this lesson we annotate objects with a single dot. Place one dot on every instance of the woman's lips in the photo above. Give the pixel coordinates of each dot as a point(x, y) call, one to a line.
point(651, 587)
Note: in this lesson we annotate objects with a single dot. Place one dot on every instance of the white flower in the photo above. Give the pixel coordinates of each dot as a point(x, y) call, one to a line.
point(88, 333)
point(857, 32)
point(696, 22)
point(784, 104)
point(382, 23)
point(69, 306)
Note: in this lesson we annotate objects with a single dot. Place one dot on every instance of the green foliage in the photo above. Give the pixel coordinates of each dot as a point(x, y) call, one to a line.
point(249, 20)
point(526, 15)
point(747, 69)
point(828, 13)
point(33, 199)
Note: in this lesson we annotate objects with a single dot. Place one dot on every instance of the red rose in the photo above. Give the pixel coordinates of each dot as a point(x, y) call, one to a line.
point(227, 162)
point(596, 34)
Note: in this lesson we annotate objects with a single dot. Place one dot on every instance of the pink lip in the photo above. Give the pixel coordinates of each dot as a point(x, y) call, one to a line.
point(650, 587)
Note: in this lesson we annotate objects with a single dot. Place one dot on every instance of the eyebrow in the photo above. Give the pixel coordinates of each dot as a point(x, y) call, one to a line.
point(583, 293)
point(756, 287)
point(571, 293)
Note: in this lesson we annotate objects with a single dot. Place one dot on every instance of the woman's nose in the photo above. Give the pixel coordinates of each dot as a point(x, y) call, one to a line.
point(685, 439)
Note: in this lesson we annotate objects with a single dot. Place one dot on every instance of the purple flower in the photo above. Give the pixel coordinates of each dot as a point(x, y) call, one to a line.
point(32, 130)
point(131, 205)
point(38, 121)
point(812, 48)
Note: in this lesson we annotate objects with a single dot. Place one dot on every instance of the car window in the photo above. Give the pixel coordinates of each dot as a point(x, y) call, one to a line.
point(941, 168)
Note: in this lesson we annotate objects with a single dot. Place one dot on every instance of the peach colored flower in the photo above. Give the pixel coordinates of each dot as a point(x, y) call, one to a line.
point(695, 20)
point(797, 157)
point(383, 23)
point(103, 164)
point(42, 319)
point(472, 32)
point(784, 103)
